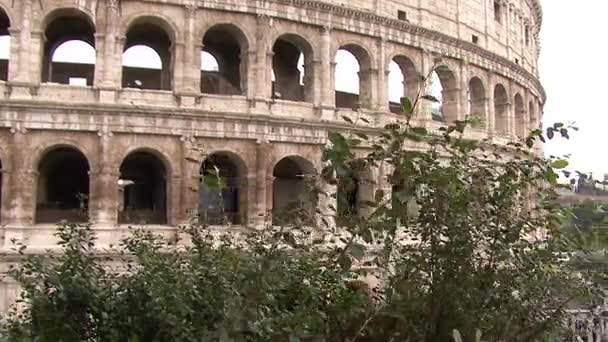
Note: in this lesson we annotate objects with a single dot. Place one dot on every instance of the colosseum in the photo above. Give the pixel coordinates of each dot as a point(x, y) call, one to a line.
point(250, 86)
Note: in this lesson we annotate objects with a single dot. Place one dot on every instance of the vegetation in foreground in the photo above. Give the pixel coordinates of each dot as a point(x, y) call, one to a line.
point(460, 237)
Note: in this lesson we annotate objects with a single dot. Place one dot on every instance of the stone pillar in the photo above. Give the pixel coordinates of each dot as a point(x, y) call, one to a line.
point(328, 204)
point(191, 70)
point(111, 47)
point(269, 192)
point(190, 180)
point(368, 90)
point(25, 37)
point(105, 189)
point(14, 57)
point(248, 72)
point(312, 82)
point(424, 107)
point(262, 72)
point(382, 80)
point(263, 151)
point(491, 112)
point(21, 190)
point(327, 86)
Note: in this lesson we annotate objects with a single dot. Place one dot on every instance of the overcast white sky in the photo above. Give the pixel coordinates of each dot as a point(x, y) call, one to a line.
point(574, 51)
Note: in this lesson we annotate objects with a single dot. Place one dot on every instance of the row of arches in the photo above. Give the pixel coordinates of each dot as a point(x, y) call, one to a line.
point(64, 182)
point(69, 57)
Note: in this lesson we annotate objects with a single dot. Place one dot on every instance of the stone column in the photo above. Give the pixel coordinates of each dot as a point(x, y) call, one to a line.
point(327, 86)
point(24, 52)
point(191, 70)
point(263, 151)
point(105, 194)
point(14, 57)
point(248, 72)
point(190, 180)
point(262, 72)
point(490, 110)
point(383, 75)
point(21, 190)
point(368, 90)
point(110, 46)
point(269, 192)
point(328, 204)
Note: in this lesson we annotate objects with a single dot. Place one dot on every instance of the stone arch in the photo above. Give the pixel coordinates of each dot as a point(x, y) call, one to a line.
point(501, 109)
point(231, 206)
point(229, 45)
point(293, 68)
point(443, 85)
point(159, 34)
point(521, 126)
point(291, 201)
point(63, 185)
point(5, 42)
point(144, 183)
point(477, 98)
point(405, 84)
point(362, 96)
point(62, 27)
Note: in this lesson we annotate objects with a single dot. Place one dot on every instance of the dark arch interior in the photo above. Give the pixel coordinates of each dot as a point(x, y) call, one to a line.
point(520, 116)
point(222, 43)
point(156, 38)
point(355, 189)
point(63, 28)
point(4, 25)
point(63, 187)
point(286, 57)
point(144, 181)
point(477, 98)
point(501, 103)
point(220, 191)
point(291, 201)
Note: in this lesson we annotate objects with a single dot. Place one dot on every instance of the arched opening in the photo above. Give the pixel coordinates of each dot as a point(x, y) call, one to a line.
point(69, 50)
point(146, 45)
point(63, 186)
point(442, 87)
point(143, 182)
point(477, 99)
point(292, 202)
point(352, 77)
point(521, 125)
point(227, 45)
point(402, 82)
point(222, 190)
point(292, 80)
point(501, 107)
point(5, 45)
point(534, 122)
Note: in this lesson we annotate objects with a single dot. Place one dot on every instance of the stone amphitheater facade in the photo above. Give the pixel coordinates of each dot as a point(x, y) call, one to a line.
point(127, 145)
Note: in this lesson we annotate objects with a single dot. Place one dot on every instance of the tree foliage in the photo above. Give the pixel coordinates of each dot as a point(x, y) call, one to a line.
point(462, 235)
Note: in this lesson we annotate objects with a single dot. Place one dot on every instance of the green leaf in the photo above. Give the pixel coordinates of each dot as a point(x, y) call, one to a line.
point(560, 164)
point(406, 105)
point(420, 130)
point(430, 98)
